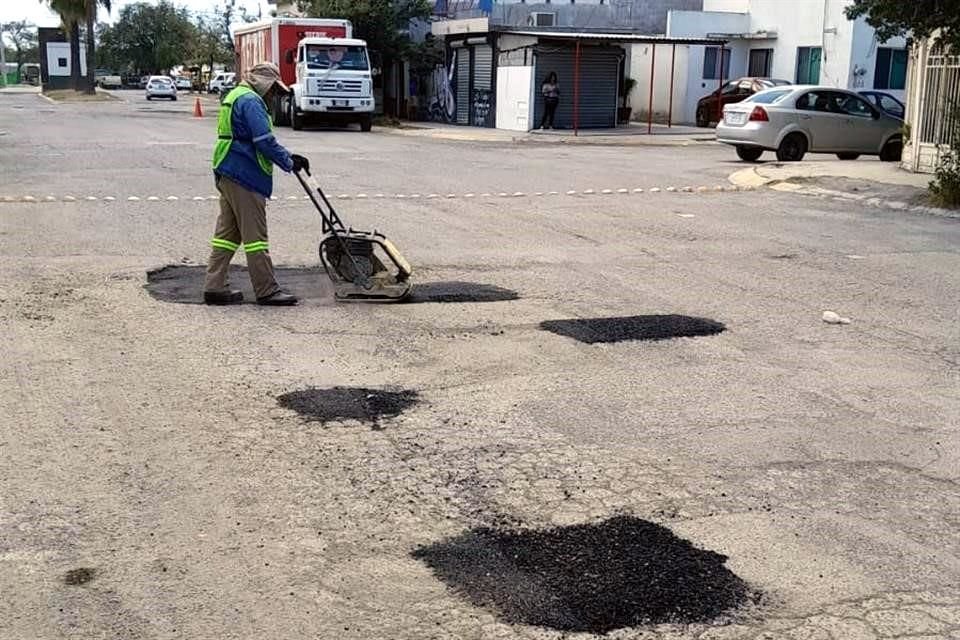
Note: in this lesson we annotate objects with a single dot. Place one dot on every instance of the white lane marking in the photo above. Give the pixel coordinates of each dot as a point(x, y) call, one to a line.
point(109, 198)
point(50, 199)
point(571, 193)
point(69, 199)
point(623, 190)
point(343, 196)
point(28, 199)
point(468, 195)
point(607, 192)
point(199, 198)
point(414, 196)
point(91, 198)
point(292, 198)
point(588, 192)
point(854, 256)
point(670, 189)
point(133, 199)
point(451, 195)
point(538, 193)
point(686, 215)
point(361, 196)
point(172, 198)
point(655, 190)
point(638, 190)
point(503, 194)
point(519, 194)
point(153, 198)
point(553, 193)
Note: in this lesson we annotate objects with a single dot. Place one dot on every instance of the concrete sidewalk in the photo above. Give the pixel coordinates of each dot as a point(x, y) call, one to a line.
point(632, 135)
point(774, 173)
point(19, 88)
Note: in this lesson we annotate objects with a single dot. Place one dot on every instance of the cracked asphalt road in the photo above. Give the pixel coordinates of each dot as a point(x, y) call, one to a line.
point(151, 486)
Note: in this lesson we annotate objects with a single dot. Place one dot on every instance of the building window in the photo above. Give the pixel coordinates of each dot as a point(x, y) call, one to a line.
point(761, 61)
point(808, 65)
point(711, 63)
point(891, 71)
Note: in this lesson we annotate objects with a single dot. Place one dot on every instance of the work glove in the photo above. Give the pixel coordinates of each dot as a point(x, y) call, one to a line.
point(300, 163)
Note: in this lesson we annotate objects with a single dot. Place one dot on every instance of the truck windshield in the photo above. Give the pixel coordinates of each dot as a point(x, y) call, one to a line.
point(321, 56)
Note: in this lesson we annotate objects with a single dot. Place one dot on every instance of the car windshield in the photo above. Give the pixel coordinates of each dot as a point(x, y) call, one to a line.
point(322, 56)
point(770, 96)
point(160, 80)
point(770, 82)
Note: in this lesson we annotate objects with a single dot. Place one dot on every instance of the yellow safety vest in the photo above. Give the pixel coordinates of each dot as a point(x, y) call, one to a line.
point(225, 129)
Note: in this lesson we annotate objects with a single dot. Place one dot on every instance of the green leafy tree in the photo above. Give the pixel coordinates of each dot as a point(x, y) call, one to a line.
point(382, 23)
point(210, 45)
point(23, 36)
point(149, 38)
point(919, 18)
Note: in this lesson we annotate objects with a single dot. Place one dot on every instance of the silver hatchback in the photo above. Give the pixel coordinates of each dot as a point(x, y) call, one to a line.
point(795, 120)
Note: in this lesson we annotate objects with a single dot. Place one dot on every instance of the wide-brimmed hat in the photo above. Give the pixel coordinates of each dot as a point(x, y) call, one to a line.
point(264, 75)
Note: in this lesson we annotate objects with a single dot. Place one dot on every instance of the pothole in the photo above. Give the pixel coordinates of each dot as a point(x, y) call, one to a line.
point(337, 404)
point(654, 327)
point(622, 572)
point(456, 291)
point(82, 575)
point(183, 284)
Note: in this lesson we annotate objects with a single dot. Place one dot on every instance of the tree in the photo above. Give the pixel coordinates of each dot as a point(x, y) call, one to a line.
point(917, 18)
point(149, 38)
point(90, 9)
point(23, 36)
point(209, 45)
point(382, 23)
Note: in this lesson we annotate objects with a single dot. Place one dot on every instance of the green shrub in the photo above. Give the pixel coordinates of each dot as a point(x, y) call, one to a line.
point(945, 187)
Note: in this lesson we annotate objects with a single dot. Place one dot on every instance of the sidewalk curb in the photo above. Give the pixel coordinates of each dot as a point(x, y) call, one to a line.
point(610, 141)
point(751, 178)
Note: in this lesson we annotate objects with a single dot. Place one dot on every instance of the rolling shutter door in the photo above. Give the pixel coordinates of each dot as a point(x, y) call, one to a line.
point(599, 80)
point(482, 100)
point(463, 86)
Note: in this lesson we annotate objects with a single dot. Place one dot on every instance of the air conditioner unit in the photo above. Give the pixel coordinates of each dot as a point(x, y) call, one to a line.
point(543, 19)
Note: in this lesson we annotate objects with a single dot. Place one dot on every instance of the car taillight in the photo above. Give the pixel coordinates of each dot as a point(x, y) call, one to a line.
point(759, 114)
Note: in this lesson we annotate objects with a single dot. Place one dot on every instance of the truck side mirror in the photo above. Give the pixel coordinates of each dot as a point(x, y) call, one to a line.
point(289, 56)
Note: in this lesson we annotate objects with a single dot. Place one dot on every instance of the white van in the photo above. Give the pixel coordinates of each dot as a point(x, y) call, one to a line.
point(221, 79)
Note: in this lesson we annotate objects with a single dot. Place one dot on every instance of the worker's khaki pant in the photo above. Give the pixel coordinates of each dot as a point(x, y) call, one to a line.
point(242, 223)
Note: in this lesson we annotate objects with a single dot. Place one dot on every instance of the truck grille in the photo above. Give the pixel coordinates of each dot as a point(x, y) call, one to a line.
point(350, 87)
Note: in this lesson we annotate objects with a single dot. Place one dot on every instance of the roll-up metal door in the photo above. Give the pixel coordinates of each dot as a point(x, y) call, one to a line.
point(482, 112)
point(463, 85)
point(599, 84)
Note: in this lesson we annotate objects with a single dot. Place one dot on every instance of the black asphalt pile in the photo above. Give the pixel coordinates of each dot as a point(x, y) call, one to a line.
point(82, 575)
point(658, 327)
point(459, 292)
point(348, 403)
point(623, 572)
point(183, 284)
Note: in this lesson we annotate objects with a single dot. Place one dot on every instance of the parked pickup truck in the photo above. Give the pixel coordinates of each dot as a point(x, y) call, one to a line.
point(110, 82)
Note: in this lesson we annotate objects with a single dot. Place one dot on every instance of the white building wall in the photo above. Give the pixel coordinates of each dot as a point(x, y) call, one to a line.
point(847, 45)
point(57, 51)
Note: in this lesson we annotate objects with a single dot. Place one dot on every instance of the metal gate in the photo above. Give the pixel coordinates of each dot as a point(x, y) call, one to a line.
point(463, 86)
point(933, 89)
point(482, 113)
point(599, 85)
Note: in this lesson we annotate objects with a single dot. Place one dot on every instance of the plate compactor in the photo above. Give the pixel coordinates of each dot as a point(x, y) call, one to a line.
point(356, 261)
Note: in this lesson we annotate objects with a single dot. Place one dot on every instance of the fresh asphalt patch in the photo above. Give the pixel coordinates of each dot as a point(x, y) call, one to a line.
point(622, 572)
point(653, 327)
point(456, 291)
point(183, 284)
point(79, 576)
point(337, 404)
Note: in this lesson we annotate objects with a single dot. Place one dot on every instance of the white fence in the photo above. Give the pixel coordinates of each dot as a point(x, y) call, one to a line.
point(933, 94)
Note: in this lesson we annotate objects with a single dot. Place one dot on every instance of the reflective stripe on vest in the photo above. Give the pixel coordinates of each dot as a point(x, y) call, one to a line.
point(225, 130)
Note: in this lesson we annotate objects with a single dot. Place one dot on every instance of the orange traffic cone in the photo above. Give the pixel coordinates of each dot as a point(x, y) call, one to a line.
point(197, 109)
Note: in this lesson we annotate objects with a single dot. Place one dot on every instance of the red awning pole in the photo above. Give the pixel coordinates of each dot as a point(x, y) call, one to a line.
point(653, 59)
point(673, 65)
point(719, 90)
point(576, 91)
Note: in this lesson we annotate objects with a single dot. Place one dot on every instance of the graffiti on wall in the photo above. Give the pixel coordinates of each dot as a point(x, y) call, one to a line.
point(443, 102)
point(482, 107)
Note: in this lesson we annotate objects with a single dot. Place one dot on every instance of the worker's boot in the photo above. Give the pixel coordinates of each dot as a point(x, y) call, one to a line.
point(224, 297)
point(278, 298)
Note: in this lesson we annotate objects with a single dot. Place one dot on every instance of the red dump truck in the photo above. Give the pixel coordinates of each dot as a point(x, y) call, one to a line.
point(327, 69)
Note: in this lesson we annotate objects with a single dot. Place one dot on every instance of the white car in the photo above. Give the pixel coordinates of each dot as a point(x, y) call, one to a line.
point(161, 87)
point(183, 82)
point(222, 78)
point(798, 119)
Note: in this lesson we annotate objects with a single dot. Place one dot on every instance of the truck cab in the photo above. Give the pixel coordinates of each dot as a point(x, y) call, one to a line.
point(333, 82)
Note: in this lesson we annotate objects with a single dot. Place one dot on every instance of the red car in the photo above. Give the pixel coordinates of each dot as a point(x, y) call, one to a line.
point(710, 108)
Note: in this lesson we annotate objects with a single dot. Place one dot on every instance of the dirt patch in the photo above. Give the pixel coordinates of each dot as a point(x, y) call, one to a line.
point(69, 95)
point(657, 327)
point(183, 284)
point(623, 572)
point(455, 291)
point(349, 403)
point(82, 575)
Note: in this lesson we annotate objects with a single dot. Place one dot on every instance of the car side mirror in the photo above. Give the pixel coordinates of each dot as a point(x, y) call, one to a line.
point(289, 56)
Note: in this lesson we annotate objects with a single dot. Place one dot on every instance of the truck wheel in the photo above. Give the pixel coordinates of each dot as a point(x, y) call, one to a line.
point(281, 111)
point(366, 124)
point(296, 120)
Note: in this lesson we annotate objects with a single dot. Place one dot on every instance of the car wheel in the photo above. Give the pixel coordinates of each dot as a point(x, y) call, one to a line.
point(749, 154)
point(174, 98)
point(792, 148)
point(848, 156)
point(366, 124)
point(892, 151)
point(149, 97)
point(702, 121)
